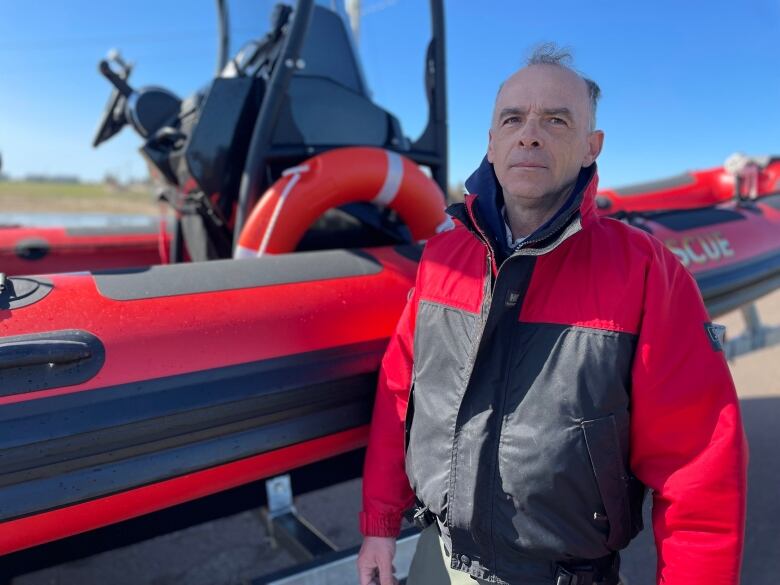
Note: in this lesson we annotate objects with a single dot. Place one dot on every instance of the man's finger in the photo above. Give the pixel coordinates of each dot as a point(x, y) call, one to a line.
point(367, 574)
point(386, 576)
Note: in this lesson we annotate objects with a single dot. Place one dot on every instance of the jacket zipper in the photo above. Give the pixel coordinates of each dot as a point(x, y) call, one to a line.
point(491, 278)
point(487, 300)
point(491, 257)
point(562, 222)
point(522, 248)
point(503, 399)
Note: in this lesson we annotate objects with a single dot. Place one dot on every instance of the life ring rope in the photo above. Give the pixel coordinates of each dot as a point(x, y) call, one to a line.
point(296, 173)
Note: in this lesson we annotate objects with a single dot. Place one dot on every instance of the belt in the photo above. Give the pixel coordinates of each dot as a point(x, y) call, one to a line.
point(601, 571)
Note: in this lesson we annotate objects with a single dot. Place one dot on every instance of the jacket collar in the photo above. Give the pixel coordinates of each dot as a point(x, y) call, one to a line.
point(481, 210)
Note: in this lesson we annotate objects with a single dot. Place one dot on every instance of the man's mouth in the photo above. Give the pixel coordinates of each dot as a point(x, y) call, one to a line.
point(528, 165)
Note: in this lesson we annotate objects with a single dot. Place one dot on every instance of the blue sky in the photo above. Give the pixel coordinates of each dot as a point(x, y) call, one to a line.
point(684, 84)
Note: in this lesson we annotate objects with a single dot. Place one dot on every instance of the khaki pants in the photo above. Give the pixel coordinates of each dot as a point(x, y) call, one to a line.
point(431, 565)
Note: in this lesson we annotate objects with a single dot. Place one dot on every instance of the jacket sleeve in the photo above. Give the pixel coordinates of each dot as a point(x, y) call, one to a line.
point(687, 440)
point(386, 490)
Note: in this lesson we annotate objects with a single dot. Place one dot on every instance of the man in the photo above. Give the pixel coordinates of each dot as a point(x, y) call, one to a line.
point(548, 366)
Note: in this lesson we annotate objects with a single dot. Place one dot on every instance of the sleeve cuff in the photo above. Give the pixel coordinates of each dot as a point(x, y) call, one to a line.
point(380, 524)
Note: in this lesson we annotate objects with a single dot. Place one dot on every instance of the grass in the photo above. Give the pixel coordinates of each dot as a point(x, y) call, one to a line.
point(27, 196)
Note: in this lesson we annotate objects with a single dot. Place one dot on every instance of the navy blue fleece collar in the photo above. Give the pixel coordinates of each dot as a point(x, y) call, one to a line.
point(490, 199)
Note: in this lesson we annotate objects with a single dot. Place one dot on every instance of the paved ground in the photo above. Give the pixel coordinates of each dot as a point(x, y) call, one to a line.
point(236, 548)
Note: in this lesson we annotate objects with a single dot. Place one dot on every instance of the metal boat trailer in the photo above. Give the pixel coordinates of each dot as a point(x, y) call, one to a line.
point(319, 561)
point(757, 335)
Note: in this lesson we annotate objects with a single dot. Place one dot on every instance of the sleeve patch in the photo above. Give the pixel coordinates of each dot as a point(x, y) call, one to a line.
point(716, 334)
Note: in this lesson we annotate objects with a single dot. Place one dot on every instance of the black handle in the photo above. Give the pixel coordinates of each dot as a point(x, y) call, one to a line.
point(18, 354)
point(51, 359)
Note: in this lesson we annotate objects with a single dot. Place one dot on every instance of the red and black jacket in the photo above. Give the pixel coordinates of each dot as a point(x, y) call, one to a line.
point(546, 391)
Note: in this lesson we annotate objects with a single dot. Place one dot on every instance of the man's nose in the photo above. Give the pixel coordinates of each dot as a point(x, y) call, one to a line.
point(530, 135)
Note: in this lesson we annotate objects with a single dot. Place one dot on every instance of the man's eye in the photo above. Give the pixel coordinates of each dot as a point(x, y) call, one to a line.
point(511, 120)
point(558, 121)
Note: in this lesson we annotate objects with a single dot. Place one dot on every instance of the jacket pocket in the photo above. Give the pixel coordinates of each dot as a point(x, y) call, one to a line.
point(612, 478)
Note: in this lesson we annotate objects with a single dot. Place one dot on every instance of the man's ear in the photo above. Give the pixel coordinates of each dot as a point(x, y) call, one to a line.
point(595, 144)
point(490, 146)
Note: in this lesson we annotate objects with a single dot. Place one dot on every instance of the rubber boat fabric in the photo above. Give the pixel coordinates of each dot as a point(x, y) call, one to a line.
point(530, 475)
point(340, 176)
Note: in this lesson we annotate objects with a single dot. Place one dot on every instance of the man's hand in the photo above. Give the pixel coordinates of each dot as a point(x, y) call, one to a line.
point(375, 561)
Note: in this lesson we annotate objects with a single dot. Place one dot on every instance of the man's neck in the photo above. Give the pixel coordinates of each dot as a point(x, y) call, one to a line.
point(525, 216)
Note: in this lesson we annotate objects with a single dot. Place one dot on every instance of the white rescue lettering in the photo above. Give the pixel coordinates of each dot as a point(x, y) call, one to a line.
point(697, 250)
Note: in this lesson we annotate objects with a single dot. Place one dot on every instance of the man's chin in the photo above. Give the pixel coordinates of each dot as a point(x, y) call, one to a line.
point(526, 189)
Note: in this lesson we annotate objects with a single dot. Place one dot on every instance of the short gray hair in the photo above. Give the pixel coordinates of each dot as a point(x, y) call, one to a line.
point(551, 54)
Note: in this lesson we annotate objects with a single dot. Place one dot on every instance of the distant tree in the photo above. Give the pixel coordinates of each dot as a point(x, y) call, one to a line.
point(41, 178)
point(111, 181)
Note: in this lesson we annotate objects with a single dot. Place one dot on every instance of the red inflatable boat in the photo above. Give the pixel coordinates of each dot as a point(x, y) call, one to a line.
point(39, 250)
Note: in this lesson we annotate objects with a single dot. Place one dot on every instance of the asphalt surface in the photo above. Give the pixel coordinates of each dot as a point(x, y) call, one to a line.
point(236, 549)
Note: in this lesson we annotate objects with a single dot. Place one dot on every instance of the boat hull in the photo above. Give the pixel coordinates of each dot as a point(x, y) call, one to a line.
point(732, 249)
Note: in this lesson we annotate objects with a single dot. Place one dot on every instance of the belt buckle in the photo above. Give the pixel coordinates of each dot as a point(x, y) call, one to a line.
point(422, 517)
point(565, 577)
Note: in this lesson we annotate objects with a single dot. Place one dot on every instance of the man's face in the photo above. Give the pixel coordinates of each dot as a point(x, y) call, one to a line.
point(540, 136)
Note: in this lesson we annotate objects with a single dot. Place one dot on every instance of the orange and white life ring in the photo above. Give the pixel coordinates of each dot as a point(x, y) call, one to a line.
point(337, 177)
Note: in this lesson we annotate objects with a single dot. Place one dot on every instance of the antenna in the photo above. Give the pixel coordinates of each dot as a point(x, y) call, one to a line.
point(223, 36)
point(353, 10)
